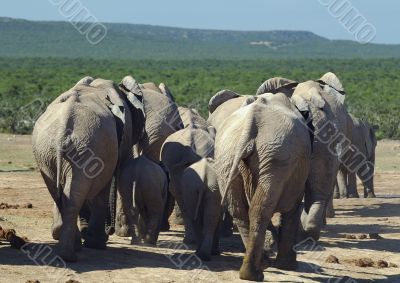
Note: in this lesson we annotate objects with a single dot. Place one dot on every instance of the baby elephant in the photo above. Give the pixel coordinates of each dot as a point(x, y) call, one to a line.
point(144, 182)
point(202, 203)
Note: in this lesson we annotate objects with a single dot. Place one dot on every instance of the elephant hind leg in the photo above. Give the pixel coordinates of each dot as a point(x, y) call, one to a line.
point(57, 220)
point(75, 190)
point(260, 213)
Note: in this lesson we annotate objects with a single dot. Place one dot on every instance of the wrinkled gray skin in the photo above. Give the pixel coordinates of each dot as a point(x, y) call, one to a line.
point(364, 139)
point(162, 119)
point(329, 119)
point(77, 124)
point(145, 182)
point(325, 101)
point(180, 150)
point(202, 204)
point(262, 171)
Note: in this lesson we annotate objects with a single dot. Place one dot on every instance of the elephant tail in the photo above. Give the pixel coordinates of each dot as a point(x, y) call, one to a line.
point(59, 192)
point(242, 150)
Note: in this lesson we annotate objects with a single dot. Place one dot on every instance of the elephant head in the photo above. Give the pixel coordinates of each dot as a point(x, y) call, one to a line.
point(277, 84)
point(134, 98)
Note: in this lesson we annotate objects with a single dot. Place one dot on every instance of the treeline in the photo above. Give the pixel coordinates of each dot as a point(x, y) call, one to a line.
point(27, 86)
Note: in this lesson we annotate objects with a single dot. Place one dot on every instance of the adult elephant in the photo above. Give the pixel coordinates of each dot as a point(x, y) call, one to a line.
point(364, 141)
point(328, 118)
point(79, 143)
point(183, 148)
point(331, 125)
point(262, 171)
point(162, 119)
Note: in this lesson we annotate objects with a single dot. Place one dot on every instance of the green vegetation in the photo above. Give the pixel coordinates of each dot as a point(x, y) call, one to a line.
point(21, 38)
point(28, 85)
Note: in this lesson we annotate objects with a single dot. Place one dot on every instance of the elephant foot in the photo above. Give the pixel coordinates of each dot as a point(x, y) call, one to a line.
point(148, 240)
point(93, 243)
point(286, 264)
point(249, 272)
point(353, 196)
point(55, 231)
point(206, 256)
point(68, 256)
point(370, 195)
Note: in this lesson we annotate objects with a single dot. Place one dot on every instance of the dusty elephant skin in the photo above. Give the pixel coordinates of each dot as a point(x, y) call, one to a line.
point(162, 120)
point(330, 121)
point(183, 148)
point(261, 171)
point(78, 143)
point(145, 182)
point(364, 140)
point(202, 204)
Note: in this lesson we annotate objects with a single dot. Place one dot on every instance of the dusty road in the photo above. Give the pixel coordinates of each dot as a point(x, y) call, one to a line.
point(172, 261)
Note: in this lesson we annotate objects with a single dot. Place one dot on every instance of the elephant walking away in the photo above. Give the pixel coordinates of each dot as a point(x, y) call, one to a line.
point(262, 171)
point(145, 182)
point(202, 204)
point(79, 143)
point(364, 140)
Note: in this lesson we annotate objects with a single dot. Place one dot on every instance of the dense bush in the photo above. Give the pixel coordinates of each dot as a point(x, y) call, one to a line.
point(28, 85)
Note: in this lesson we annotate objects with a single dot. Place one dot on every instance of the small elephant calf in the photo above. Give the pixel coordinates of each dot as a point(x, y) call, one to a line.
point(202, 205)
point(144, 182)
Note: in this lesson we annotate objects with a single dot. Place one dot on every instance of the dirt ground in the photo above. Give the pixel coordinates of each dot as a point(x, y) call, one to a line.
point(172, 261)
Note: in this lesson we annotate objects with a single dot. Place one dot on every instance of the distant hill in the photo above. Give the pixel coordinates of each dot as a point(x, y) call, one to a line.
point(22, 38)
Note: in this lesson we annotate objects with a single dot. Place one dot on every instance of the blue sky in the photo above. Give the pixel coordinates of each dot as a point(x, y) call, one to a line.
point(308, 15)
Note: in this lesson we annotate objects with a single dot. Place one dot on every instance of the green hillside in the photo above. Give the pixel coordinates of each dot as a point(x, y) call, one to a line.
point(22, 38)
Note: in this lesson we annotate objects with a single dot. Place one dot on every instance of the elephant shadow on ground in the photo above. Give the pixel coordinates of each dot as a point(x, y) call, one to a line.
point(382, 225)
point(167, 254)
point(386, 209)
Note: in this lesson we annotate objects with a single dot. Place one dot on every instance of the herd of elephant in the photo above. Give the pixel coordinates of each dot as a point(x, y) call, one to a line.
point(117, 157)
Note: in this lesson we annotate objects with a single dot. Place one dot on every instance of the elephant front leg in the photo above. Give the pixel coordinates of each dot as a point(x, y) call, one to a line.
point(169, 208)
point(342, 183)
point(209, 225)
point(57, 223)
point(352, 186)
point(96, 237)
point(121, 221)
point(286, 258)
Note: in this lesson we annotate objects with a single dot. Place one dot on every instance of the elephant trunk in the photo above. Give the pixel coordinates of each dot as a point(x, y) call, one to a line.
point(112, 207)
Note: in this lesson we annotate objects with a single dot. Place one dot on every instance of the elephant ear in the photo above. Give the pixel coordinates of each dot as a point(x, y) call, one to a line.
point(166, 91)
point(277, 84)
point(133, 93)
point(249, 100)
point(219, 98)
point(85, 81)
point(332, 85)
